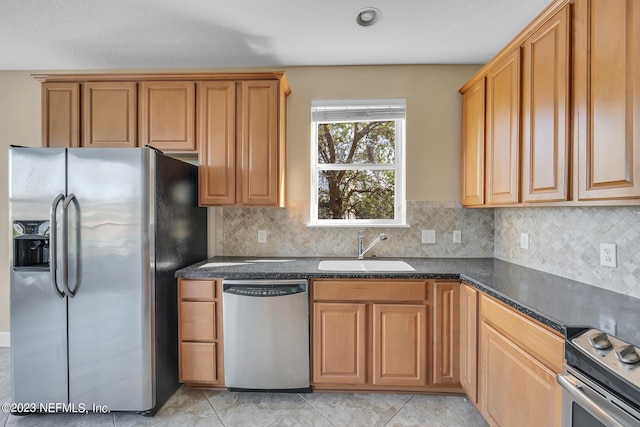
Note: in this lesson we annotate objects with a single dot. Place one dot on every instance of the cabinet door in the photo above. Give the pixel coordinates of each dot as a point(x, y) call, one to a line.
point(167, 115)
point(446, 330)
point(607, 98)
point(259, 143)
point(515, 389)
point(503, 134)
point(200, 352)
point(339, 344)
point(198, 363)
point(197, 321)
point(473, 117)
point(546, 61)
point(61, 115)
point(109, 118)
point(217, 143)
point(399, 345)
point(469, 341)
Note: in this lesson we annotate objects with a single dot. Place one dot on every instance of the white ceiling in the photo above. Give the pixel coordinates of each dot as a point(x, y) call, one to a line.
point(103, 34)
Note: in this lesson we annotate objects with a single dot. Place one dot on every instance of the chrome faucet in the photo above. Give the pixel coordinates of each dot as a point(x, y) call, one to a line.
point(362, 252)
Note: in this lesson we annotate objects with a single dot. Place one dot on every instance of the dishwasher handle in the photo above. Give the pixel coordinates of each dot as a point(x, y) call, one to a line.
point(264, 291)
point(264, 288)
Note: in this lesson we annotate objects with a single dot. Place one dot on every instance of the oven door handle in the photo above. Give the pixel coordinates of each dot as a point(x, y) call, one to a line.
point(574, 388)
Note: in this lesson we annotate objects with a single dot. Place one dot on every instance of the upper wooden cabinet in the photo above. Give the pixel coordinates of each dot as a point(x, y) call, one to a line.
point(109, 114)
point(546, 110)
point(503, 131)
point(217, 149)
point(236, 121)
point(573, 136)
point(242, 142)
point(261, 153)
point(607, 98)
point(167, 115)
point(61, 114)
point(473, 139)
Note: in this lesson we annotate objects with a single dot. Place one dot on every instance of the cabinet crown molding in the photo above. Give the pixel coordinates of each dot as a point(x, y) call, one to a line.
point(148, 77)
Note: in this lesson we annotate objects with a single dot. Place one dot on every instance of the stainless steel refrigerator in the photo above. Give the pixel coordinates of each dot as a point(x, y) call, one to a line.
point(97, 235)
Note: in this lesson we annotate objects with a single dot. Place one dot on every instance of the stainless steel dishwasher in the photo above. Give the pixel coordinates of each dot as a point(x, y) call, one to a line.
point(266, 334)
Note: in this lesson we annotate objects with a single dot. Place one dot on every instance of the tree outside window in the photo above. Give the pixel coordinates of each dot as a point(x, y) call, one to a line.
point(357, 163)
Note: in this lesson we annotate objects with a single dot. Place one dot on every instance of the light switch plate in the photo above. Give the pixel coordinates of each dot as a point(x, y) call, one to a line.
point(524, 240)
point(608, 255)
point(428, 236)
point(262, 236)
point(457, 236)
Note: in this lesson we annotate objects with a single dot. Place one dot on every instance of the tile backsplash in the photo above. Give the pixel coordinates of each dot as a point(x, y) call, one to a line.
point(288, 234)
point(566, 242)
point(563, 241)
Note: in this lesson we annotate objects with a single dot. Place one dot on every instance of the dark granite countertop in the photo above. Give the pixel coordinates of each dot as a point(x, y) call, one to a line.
point(553, 300)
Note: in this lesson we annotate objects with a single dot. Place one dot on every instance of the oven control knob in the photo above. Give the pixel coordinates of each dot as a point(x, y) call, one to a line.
point(600, 341)
point(627, 354)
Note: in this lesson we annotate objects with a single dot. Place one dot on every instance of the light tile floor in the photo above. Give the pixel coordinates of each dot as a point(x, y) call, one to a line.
point(220, 408)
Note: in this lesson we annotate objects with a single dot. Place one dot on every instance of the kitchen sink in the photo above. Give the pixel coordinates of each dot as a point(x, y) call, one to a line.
point(364, 265)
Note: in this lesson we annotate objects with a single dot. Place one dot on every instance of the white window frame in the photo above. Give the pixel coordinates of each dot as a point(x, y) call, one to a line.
point(357, 106)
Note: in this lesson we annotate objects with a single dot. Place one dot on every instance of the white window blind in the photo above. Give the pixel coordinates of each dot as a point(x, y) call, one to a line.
point(333, 111)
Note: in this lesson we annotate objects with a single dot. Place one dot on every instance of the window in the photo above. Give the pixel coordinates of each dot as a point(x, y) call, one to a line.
point(357, 163)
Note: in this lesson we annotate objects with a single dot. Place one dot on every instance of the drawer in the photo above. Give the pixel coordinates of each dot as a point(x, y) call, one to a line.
point(198, 363)
point(200, 290)
point(197, 321)
point(370, 290)
point(534, 338)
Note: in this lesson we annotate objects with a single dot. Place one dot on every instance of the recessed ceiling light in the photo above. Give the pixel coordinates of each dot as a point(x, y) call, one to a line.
point(368, 16)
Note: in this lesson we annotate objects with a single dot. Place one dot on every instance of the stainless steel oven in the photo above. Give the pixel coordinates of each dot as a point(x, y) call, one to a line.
point(600, 382)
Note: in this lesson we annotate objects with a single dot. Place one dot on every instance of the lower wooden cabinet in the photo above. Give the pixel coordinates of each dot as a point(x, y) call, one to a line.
point(469, 341)
point(200, 332)
point(399, 344)
point(381, 335)
point(518, 361)
point(198, 363)
point(446, 330)
point(339, 343)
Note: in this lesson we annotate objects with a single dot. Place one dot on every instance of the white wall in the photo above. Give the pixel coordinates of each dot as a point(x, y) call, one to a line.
point(19, 125)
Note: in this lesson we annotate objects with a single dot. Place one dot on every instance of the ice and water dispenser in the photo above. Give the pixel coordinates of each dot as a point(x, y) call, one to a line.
point(31, 245)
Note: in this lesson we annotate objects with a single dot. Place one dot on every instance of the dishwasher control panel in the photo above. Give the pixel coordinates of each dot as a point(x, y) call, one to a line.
point(264, 290)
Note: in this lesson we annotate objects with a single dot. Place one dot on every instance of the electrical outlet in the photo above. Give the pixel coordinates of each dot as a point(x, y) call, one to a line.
point(457, 236)
point(428, 236)
point(524, 240)
point(262, 236)
point(608, 255)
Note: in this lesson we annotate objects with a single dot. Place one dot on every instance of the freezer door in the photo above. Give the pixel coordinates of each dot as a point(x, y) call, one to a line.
point(110, 323)
point(38, 314)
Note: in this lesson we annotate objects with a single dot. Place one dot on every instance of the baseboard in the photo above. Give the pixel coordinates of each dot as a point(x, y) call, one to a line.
point(4, 339)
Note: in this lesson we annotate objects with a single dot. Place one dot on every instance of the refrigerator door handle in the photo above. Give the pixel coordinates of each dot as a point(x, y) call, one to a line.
point(65, 245)
point(53, 260)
